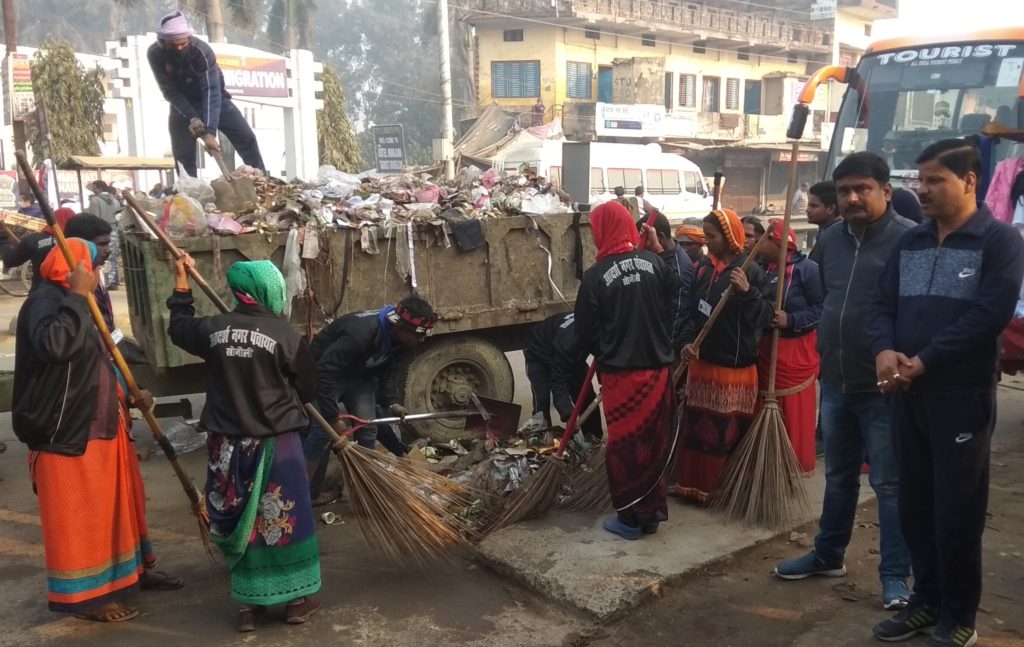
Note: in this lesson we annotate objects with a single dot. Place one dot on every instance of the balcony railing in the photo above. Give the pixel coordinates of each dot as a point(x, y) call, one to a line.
point(665, 15)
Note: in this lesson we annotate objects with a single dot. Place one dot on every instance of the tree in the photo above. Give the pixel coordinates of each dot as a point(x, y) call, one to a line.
point(71, 98)
point(335, 134)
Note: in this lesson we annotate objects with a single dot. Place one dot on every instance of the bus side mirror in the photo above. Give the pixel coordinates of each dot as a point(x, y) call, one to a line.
point(798, 121)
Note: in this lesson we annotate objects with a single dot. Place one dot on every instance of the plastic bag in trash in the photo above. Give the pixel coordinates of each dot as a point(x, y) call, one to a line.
point(334, 183)
point(184, 438)
point(543, 204)
point(533, 424)
point(294, 278)
point(183, 216)
point(194, 187)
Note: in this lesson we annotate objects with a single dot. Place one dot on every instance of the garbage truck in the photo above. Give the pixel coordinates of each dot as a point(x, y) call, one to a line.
point(527, 268)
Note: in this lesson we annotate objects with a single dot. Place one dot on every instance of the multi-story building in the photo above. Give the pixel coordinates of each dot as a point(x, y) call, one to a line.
point(715, 80)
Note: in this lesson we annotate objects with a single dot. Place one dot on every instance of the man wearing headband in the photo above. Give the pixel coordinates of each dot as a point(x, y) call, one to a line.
point(188, 75)
point(354, 355)
point(691, 236)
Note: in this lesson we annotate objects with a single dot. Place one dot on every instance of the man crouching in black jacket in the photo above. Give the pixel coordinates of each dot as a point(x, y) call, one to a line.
point(354, 356)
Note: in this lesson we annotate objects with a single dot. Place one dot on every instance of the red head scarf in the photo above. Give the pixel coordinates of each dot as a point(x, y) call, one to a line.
point(776, 234)
point(613, 229)
point(62, 216)
point(55, 268)
point(733, 228)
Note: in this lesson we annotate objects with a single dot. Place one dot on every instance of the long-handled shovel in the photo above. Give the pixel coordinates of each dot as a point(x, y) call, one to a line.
point(410, 513)
point(193, 494)
point(590, 483)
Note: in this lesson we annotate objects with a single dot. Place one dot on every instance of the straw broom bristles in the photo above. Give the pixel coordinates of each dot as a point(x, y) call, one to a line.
point(540, 494)
point(590, 484)
point(761, 484)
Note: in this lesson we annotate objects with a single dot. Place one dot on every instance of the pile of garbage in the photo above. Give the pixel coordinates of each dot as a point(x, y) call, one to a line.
point(335, 199)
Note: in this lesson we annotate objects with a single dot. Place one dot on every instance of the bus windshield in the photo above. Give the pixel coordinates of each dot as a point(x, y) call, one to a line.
point(901, 101)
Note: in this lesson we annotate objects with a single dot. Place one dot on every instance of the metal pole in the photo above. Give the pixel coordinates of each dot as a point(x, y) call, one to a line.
point(447, 125)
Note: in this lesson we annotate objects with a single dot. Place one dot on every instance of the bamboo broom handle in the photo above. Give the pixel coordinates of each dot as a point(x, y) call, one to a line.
point(680, 370)
point(177, 253)
point(783, 253)
point(115, 352)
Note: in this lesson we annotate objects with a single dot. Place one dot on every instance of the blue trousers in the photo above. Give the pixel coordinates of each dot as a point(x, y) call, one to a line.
point(232, 124)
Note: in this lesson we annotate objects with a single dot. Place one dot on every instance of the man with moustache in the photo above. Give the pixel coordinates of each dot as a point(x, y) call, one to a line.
point(855, 421)
point(188, 75)
point(948, 291)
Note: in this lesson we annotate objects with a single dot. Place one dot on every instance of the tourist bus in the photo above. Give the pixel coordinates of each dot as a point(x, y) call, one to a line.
point(906, 93)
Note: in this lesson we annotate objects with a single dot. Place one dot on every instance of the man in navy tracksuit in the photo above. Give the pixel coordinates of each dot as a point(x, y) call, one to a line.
point(946, 294)
point(190, 79)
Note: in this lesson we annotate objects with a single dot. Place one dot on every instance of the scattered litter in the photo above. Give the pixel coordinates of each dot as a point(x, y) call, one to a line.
point(184, 438)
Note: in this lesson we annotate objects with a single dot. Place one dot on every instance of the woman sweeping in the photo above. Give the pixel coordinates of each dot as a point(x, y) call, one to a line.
point(619, 319)
point(721, 380)
point(70, 409)
point(259, 373)
point(797, 368)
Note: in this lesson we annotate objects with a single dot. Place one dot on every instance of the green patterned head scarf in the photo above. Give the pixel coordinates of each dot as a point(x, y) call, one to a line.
point(258, 282)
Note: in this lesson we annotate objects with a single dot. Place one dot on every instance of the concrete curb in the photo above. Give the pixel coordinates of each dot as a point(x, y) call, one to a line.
point(572, 560)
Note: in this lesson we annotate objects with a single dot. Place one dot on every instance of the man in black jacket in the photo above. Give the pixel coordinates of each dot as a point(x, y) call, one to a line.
point(188, 75)
point(556, 368)
point(355, 358)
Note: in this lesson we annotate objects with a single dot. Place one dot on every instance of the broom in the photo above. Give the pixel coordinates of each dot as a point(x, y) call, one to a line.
point(761, 483)
point(195, 498)
point(590, 482)
point(542, 491)
point(410, 513)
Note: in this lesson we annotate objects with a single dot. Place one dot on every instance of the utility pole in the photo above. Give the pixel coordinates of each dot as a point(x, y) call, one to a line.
point(11, 41)
point(447, 125)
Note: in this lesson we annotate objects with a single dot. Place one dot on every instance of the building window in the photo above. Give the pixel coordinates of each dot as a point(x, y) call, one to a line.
point(732, 94)
point(687, 90)
point(647, 40)
point(592, 34)
point(752, 98)
point(513, 35)
point(700, 47)
point(867, 29)
point(515, 79)
point(578, 80)
point(710, 96)
point(663, 182)
point(743, 54)
point(791, 58)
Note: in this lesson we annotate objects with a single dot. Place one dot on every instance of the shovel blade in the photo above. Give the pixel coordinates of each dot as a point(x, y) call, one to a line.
point(501, 421)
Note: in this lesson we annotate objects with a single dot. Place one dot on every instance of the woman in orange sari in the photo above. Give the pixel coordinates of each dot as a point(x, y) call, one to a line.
point(797, 321)
point(71, 411)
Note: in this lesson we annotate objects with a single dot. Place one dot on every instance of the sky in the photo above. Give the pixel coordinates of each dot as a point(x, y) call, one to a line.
point(933, 17)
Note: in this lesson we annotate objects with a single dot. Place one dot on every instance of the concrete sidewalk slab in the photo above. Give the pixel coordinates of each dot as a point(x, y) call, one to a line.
point(569, 558)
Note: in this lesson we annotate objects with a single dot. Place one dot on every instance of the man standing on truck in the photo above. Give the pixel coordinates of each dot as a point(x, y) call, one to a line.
point(188, 75)
point(355, 357)
point(947, 293)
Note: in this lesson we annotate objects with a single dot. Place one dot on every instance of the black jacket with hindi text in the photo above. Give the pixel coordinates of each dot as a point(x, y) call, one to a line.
point(259, 370)
point(619, 311)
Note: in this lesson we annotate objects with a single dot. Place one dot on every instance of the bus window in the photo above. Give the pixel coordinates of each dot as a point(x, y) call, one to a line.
point(555, 175)
point(597, 181)
point(663, 182)
point(628, 178)
point(692, 183)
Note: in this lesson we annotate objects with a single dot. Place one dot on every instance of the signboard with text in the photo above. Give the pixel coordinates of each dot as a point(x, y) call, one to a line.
point(629, 120)
point(389, 148)
point(251, 76)
point(18, 74)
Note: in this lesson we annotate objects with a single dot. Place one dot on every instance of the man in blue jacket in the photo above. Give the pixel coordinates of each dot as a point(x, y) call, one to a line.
point(188, 75)
point(855, 421)
point(948, 291)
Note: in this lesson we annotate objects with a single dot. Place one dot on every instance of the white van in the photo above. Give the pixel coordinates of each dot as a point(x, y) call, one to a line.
point(672, 183)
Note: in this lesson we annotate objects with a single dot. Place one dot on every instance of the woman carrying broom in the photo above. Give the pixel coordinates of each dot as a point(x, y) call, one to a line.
point(797, 368)
point(721, 380)
point(259, 373)
point(70, 408)
point(619, 319)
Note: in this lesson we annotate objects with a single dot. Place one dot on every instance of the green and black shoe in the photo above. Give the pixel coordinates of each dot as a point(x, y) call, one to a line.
point(948, 635)
point(906, 624)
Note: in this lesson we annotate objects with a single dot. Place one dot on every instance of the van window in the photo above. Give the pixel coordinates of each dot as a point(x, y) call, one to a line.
point(597, 181)
point(555, 175)
point(627, 178)
point(692, 182)
point(663, 182)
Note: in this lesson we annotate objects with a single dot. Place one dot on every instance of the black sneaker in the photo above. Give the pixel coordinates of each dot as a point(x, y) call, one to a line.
point(948, 635)
point(906, 624)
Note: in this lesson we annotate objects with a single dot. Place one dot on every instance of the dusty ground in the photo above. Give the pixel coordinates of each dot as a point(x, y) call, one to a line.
point(732, 603)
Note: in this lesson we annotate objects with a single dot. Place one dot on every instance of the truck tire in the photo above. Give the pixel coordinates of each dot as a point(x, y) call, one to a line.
point(444, 375)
